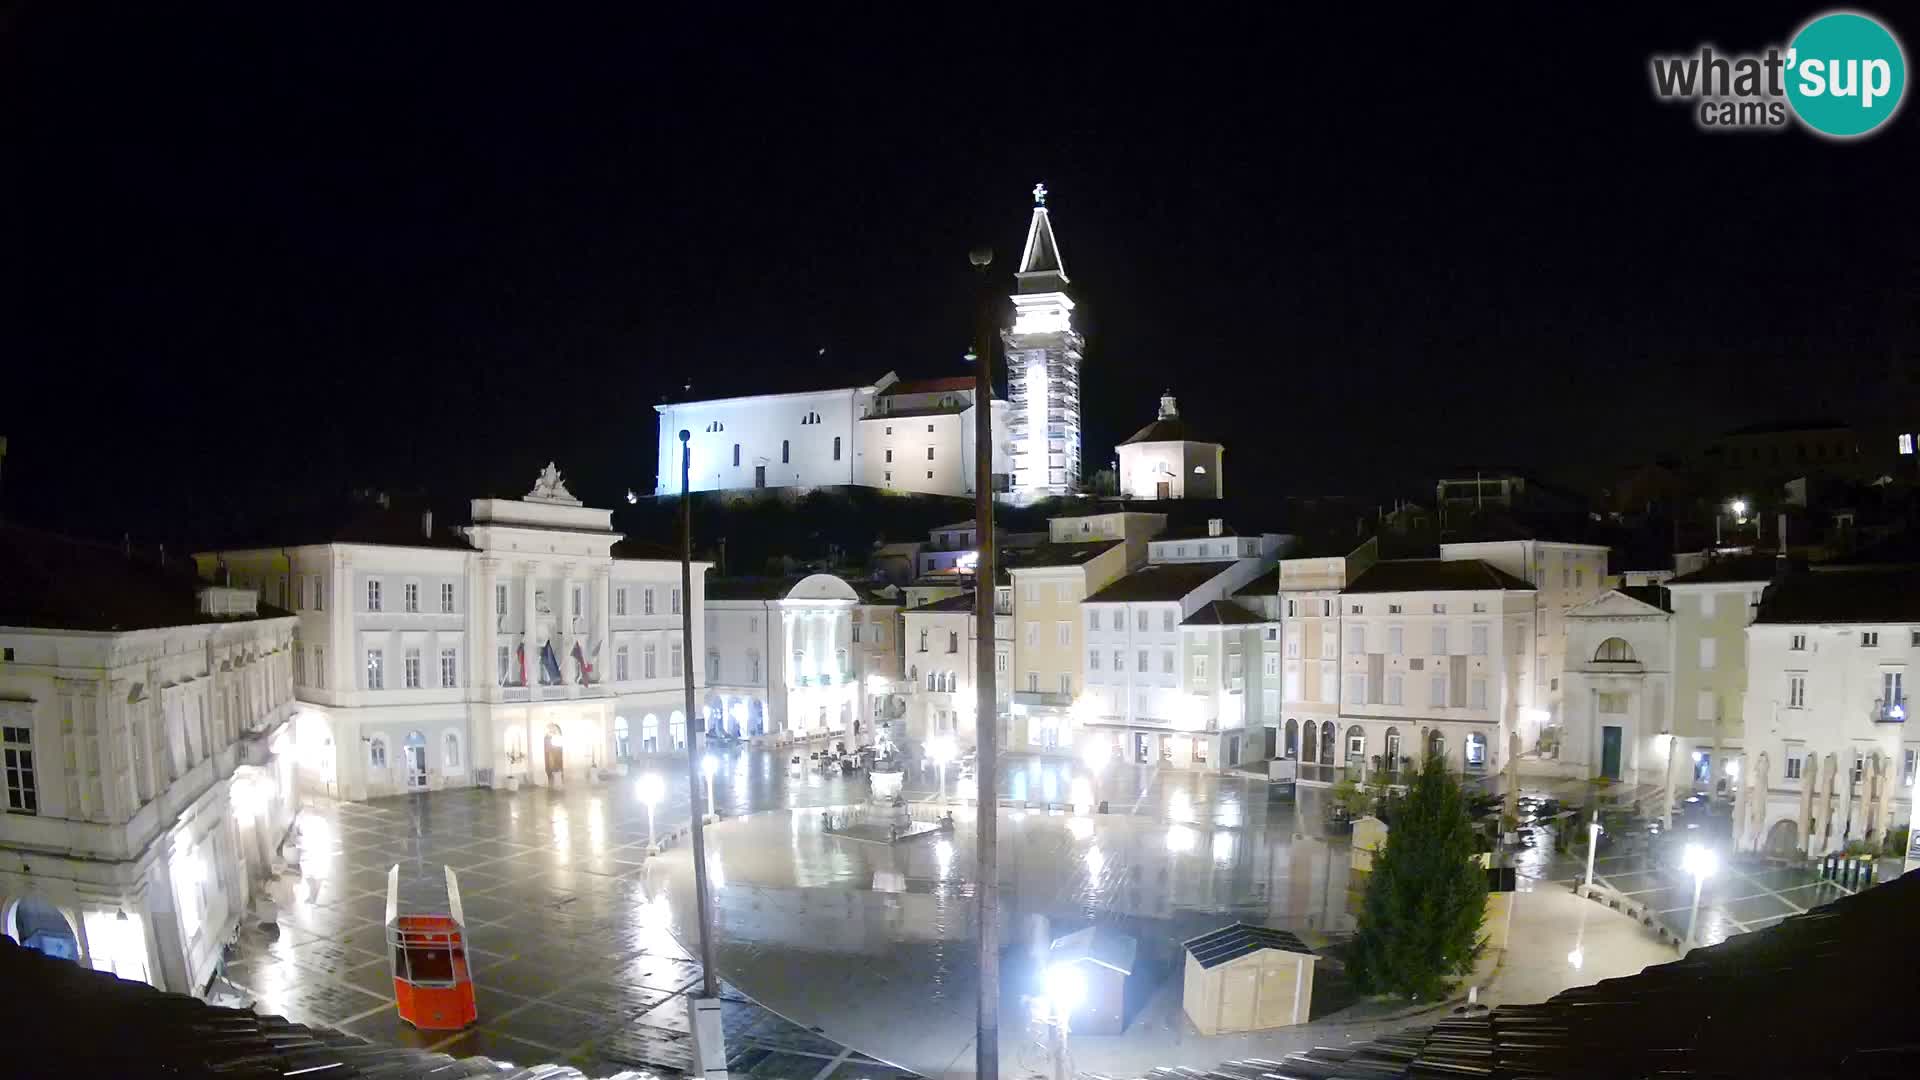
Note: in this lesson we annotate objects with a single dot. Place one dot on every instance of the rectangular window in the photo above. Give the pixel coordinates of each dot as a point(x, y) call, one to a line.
point(449, 667)
point(856, 633)
point(1869, 639)
point(1394, 689)
point(1437, 692)
point(1291, 685)
point(1166, 621)
point(499, 599)
point(1796, 691)
point(929, 453)
point(502, 655)
point(319, 592)
point(1793, 766)
point(1329, 642)
point(1356, 693)
point(1270, 665)
point(999, 663)
point(1577, 575)
point(1200, 669)
point(673, 601)
point(1357, 609)
point(574, 599)
point(1326, 609)
point(646, 601)
point(1140, 620)
point(411, 662)
point(1705, 707)
point(1395, 609)
point(786, 452)
point(1892, 690)
point(889, 457)
point(373, 594)
point(1143, 661)
point(1063, 633)
point(1479, 641)
point(836, 448)
point(1328, 682)
point(1166, 661)
point(1033, 637)
point(1066, 685)
point(376, 669)
point(1439, 609)
point(1356, 640)
point(446, 598)
point(1440, 641)
point(736, 455)
point(1396, 639)
point(1293, 644)
point(1479, 607)
point(1797, 643)
point(620, 600)
point(1093, 659)
point(1709, 653)
point(320, 667)
point(649, 661)
point(23, 786)
point(1291, 612)
point(1033, 682)
point(676, 662)
point(411, 594)
point(1909, 762)
point(1478, 691)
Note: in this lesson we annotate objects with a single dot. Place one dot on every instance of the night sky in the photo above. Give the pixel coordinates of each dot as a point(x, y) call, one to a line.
point(255, 258)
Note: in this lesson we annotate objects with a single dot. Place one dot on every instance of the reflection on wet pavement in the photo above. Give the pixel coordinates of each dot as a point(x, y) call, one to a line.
point(573, 944)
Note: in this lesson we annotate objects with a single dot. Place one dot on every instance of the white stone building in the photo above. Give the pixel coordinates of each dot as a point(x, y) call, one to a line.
point(942, 647)
point(915, 436)
point(1171, 660)
point(1043, 353)
point(1434, 661)
point(780, 657)
point(1619, 686)
point(148, 764)
point(1310, 610)
point(1165, 460)
point(1830, 757)
point(1563, 576)
point(523, 646)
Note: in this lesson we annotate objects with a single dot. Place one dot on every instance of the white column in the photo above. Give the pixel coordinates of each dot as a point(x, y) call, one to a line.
point(483, 668)
point(602, 629)
point(528, 621)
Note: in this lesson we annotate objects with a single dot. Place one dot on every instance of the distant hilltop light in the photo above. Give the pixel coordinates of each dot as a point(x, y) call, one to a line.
point(631, 497)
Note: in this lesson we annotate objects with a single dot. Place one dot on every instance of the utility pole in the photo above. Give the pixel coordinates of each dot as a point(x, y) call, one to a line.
point(703, 1012)
point(986, 713)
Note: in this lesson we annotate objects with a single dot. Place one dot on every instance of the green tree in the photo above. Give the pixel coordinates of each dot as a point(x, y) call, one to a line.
point(1420, 921)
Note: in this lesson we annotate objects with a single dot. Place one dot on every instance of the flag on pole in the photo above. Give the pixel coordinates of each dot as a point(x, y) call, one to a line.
point(549, 665)
point(520, 658)
point(580, 665)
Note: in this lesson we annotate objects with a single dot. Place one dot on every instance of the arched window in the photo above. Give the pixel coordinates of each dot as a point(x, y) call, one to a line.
point(1614, 651)
point(1476, 751)
point(786, 451)
point(1356, 745)
point(622, 739)
point(1293, 739)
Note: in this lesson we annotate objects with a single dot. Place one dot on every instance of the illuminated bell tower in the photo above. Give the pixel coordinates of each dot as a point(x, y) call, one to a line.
point(1043, 368)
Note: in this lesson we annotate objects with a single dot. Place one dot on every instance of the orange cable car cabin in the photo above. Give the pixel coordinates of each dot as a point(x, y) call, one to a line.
point(427, 940)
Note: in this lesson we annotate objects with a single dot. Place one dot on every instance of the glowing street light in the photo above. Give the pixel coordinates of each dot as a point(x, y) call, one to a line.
point(651, 790)
point(1066, 989)
point(942, 749)
point(708, 766)
point(1096, 754)
point(1701, 862)
point(1739, 508)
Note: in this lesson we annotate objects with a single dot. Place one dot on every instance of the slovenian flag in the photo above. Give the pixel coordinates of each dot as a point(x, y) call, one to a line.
point(549, 665)
point(580, 664)
point(520, 658)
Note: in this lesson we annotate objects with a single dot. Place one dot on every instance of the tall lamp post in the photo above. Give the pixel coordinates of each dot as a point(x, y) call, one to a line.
point(1593, 844)
point(708, 766)
point(703, 1011)
point(942, 750)
point(651, 790)
point(986, 1043)
point(1701, 863)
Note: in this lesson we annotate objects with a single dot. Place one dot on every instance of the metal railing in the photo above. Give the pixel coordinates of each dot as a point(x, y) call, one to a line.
point(1890, 710)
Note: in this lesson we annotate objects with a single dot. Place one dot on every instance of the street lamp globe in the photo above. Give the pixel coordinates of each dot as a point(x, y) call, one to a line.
point(709, 765)
point(942, 749)
point(1699, 861)
point(1096, 754)
point(1066, 988)
point(651, 788)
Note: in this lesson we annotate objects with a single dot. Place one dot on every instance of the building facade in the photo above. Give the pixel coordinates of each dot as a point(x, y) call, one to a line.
point(942, 651)
point(1174, 666)
point(522, 648)
point(1043, 353)
point(1166, 460)
point(1712, 607)
point(914, 436)
point(1830, 758)
point(1308, 596)
point(781, 657)
point(149, 763)
point(1619, 686)
point(1433, 662)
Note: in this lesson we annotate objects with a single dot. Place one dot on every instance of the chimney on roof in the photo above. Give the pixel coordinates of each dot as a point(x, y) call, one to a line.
point(1168, 410)
point(1215, 526)
point(426, 524)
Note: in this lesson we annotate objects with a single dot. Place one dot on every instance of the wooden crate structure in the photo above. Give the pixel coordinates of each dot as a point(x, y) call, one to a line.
point(1247, 978)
